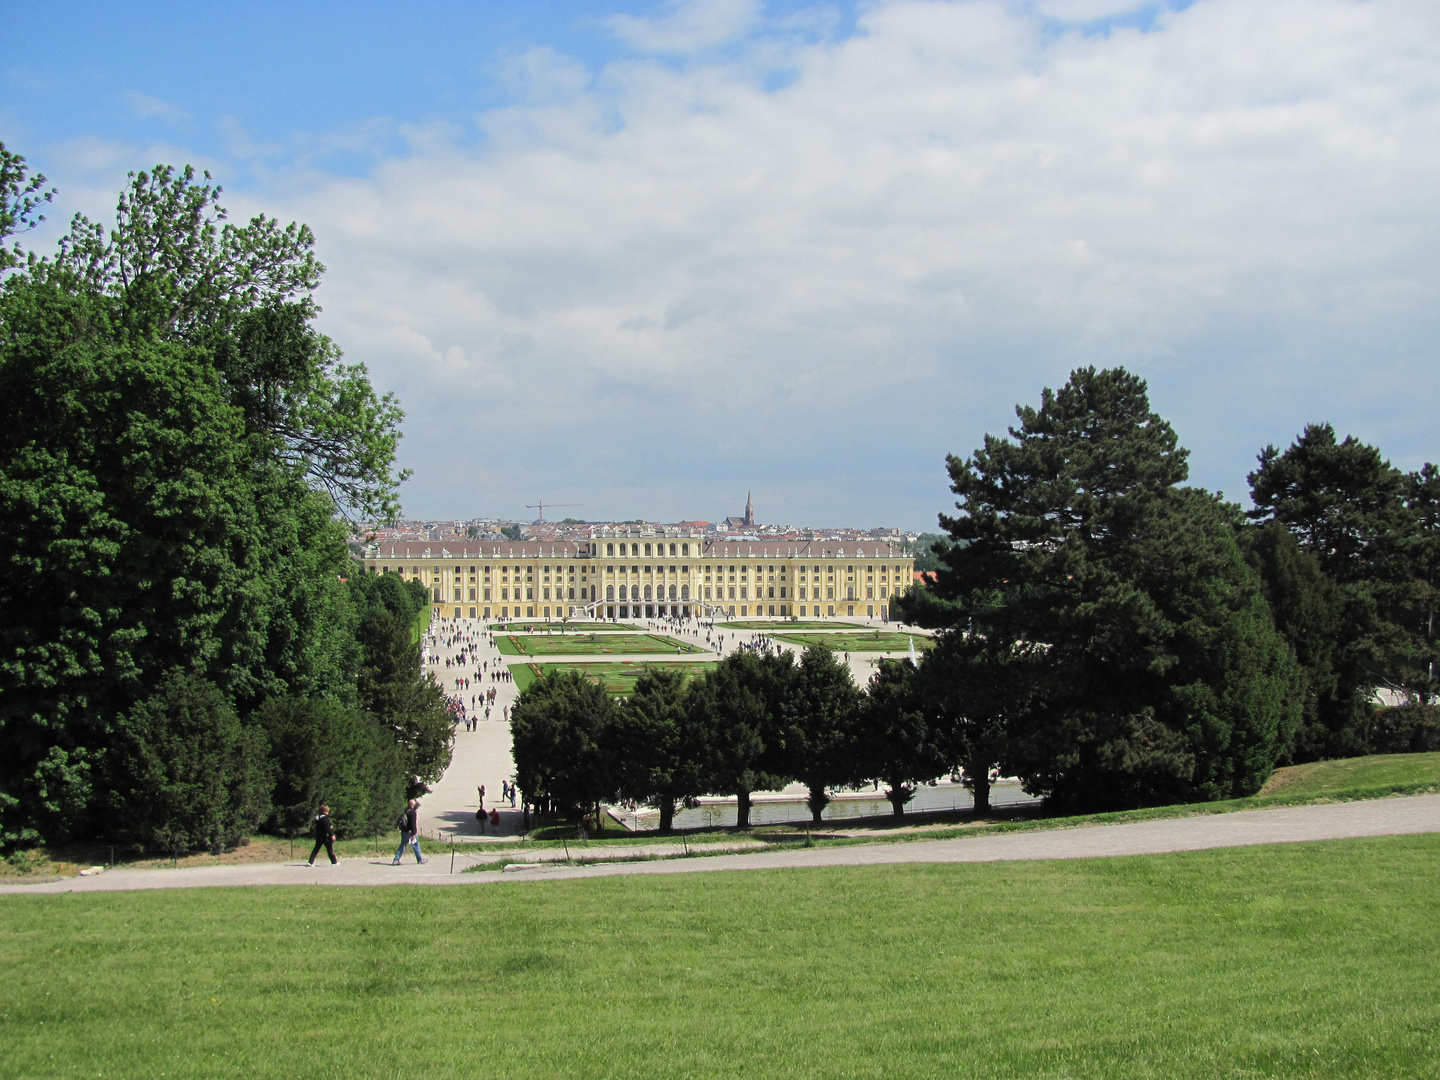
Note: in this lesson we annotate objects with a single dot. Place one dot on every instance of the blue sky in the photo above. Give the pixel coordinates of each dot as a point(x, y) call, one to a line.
point(644, 257)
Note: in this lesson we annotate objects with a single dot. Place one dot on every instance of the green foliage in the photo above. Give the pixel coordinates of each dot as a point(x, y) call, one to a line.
point(326, 753)
point(738, 705)
point(899, 743)
point(1406, 729)
point(511, 532)
point(928, 550)
point(390, 687)
point(186, 773)
point(1308, 610)
point(1352, 512)
point(175, 443)
point(820, 727)
point(657, 751)
point(1146, 664)
point(558, 728)
point(21, 196)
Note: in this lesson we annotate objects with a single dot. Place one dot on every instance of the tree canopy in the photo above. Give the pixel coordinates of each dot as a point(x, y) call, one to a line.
point(178, 448)
point(1146, 665)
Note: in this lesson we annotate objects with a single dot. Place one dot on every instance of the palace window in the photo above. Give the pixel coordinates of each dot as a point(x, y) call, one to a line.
point(610, 550)
point(609, 592)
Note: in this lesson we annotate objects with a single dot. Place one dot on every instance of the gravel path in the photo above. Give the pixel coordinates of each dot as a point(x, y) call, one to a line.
point(1380, 817)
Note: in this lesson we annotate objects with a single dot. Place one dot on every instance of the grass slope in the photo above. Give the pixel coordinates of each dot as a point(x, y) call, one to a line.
point(1312, 960)
point(1400, 772)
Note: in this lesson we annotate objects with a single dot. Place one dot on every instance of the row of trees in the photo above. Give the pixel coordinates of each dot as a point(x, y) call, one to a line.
point(756, 721)
point(181, 653)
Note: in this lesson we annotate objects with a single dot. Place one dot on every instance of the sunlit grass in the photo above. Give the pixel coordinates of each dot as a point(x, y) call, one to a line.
point(1311, 960)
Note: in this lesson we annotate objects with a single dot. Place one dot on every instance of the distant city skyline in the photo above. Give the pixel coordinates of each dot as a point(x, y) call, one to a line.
point(630, 253)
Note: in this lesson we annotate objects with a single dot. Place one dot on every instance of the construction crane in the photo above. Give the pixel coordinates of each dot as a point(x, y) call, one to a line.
point(541, 507)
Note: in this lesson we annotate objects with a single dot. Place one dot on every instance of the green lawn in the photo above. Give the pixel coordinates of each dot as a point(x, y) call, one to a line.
point(867, 641)
point(617, 678)
point(1313, 960)
point(591, 644)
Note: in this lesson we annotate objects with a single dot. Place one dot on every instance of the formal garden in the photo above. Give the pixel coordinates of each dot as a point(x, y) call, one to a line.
point(618, 679)
point(584, 644)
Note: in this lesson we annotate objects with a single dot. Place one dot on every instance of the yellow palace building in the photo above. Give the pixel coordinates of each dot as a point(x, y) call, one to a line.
point(649, 574)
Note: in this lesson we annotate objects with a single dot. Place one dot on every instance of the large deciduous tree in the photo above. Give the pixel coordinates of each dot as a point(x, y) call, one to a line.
point(175, 441)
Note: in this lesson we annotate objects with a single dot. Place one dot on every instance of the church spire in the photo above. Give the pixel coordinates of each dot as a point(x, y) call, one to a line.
point(749, 511)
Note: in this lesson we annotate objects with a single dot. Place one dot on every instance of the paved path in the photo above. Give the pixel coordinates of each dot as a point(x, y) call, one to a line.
point(1379, 817)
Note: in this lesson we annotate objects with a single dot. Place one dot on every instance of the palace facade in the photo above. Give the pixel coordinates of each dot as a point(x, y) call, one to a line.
point(650, 573)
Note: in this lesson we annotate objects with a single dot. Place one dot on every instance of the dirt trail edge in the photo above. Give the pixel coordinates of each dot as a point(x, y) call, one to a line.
point(1292, 824)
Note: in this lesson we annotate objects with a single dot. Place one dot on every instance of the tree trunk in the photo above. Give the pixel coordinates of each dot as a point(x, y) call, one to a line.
point(742, 809)
point(599, 821)
point(667, 815)
point(817, 801)
point(980, 788)
point(899, 794)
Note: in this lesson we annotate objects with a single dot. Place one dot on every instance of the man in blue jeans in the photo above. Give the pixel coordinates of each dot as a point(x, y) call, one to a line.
point(409, 834)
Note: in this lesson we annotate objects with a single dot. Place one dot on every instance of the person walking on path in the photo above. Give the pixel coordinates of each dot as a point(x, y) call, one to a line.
point(324, 836)
point(495, 821)
point(409, 833)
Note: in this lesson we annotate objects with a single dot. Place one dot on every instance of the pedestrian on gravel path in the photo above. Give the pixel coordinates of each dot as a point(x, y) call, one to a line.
point(324, 836)
point(409, 833)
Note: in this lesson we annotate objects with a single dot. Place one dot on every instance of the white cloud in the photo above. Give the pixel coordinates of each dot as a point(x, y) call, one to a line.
point(145, 105)
point(687, 25)
point(663, 283)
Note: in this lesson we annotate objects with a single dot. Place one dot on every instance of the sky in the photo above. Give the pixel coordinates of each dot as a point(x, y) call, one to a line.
point(642, 258)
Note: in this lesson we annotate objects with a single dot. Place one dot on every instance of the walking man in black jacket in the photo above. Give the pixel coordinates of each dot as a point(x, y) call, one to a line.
point(324, 836)
point(409, 833)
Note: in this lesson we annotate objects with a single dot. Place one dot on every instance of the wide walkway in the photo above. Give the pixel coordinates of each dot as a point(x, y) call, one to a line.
point(1334, 821)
